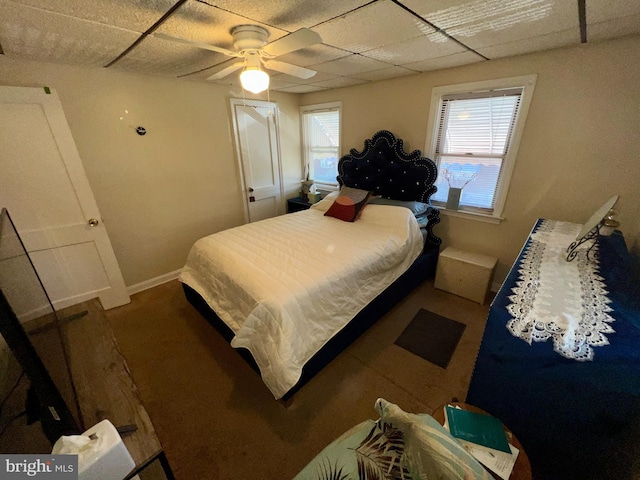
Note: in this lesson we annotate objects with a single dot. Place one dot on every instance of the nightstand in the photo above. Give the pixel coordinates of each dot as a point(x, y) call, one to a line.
point(296, 204)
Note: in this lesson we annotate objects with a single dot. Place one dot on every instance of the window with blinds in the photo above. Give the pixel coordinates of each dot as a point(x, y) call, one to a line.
point(473, 137)
point(321, 142)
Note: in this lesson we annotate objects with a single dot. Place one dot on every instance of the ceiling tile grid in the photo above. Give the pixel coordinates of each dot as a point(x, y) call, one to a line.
point(448, 61)
point(614, 28)
point(350, 65)
point(318, 77)
point(601, 11)
point(303, 89)
point(134, 15)
point(314, 55)
point(368, 27)
point(159, 56)
point(415, 50)
point(200, 22)
point(340, 82)
point(386, 73)
point(290, 15)
point(486, 23)
point(36, 34)
point(529, 45)
point(361, 40)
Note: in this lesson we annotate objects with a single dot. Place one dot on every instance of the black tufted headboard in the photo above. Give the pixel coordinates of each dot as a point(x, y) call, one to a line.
point(384, 168)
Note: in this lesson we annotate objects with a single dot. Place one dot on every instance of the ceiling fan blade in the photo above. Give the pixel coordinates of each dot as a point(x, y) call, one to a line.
point(226, 71)
point(289, 69)
point(205, 46)
point(302, 38)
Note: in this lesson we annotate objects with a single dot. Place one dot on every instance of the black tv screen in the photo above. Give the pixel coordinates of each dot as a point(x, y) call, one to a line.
point(36, 389)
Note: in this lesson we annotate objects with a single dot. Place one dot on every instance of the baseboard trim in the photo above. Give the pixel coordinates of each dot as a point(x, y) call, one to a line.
point(153, 282)
point(63, 303)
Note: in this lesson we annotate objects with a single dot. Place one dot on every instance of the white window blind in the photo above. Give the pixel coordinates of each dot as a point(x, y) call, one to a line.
point(473, 137)
point(321, 144)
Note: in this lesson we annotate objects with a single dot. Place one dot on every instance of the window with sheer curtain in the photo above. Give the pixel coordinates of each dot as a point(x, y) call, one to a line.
point(321, 142)
point(473, 144)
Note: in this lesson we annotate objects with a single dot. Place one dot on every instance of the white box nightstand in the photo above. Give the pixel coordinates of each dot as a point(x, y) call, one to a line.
point(465, 274)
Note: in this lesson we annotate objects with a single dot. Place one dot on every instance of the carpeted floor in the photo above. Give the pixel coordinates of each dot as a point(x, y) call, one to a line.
point(217, 420)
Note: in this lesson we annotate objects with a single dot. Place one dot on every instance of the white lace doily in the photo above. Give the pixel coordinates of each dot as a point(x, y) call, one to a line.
point(564, 301)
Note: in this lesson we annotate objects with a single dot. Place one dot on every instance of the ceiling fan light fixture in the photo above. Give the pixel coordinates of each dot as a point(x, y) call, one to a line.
point(254, 79)
point(250, 44)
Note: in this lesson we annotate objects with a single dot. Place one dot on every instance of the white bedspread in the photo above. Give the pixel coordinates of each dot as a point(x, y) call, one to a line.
point(288, 284)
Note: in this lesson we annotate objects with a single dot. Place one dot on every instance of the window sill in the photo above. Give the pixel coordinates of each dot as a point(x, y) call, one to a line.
point(479, 217)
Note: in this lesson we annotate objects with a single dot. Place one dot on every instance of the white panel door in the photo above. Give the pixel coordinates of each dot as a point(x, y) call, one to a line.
point(258, 150)
point(44, 187)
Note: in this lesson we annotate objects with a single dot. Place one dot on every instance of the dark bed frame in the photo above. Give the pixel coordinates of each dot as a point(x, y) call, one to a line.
point(384, 168)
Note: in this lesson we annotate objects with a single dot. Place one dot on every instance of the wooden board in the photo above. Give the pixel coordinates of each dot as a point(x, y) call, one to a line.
point(103, 382)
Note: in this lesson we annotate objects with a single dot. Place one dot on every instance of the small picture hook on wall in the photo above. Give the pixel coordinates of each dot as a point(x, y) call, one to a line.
point(141, 131)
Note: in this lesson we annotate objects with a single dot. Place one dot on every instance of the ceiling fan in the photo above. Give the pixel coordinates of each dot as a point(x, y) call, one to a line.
point(250, 43)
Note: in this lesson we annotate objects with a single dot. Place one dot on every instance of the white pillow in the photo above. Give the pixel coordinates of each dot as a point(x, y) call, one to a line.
point(324, 204)
point(417, 208)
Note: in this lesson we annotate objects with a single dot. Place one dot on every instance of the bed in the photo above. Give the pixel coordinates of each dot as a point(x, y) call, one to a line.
point(291, 292)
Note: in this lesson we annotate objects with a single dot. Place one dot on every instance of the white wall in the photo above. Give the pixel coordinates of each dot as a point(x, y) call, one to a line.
point(160, 192)
point(581, 143)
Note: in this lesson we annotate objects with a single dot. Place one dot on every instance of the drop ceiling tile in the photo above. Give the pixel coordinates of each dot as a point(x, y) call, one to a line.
point(291, 14)
point(617, 27)
point(318, 77)
point(137, 15)
point(600, 11)
point(158, 56)
point(239, 93)
point(386, 73)
point(415, 49)
point(231, 80)
point(302, 89)
point(484, 23)
point(202, 22)
point(339, 82)
point(277, 82)
point(207, 71)
point(533, 44)
point(351, 65)
point(313, 55)
point(448, 61)
point(94, 32)
point(27, 32)
point(377, 24)
point(606, 20)
point(284, 83)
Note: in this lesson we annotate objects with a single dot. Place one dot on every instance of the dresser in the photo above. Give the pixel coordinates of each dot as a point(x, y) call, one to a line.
point(576, 418)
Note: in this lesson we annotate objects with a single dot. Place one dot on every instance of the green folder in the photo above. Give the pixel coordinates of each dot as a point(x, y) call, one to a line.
point(477, 428)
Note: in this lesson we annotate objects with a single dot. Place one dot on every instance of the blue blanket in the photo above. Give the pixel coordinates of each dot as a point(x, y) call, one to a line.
point(574, 419)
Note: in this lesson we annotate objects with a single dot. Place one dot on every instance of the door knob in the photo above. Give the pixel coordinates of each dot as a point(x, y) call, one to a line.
point(93, 222)
point(250, 189)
